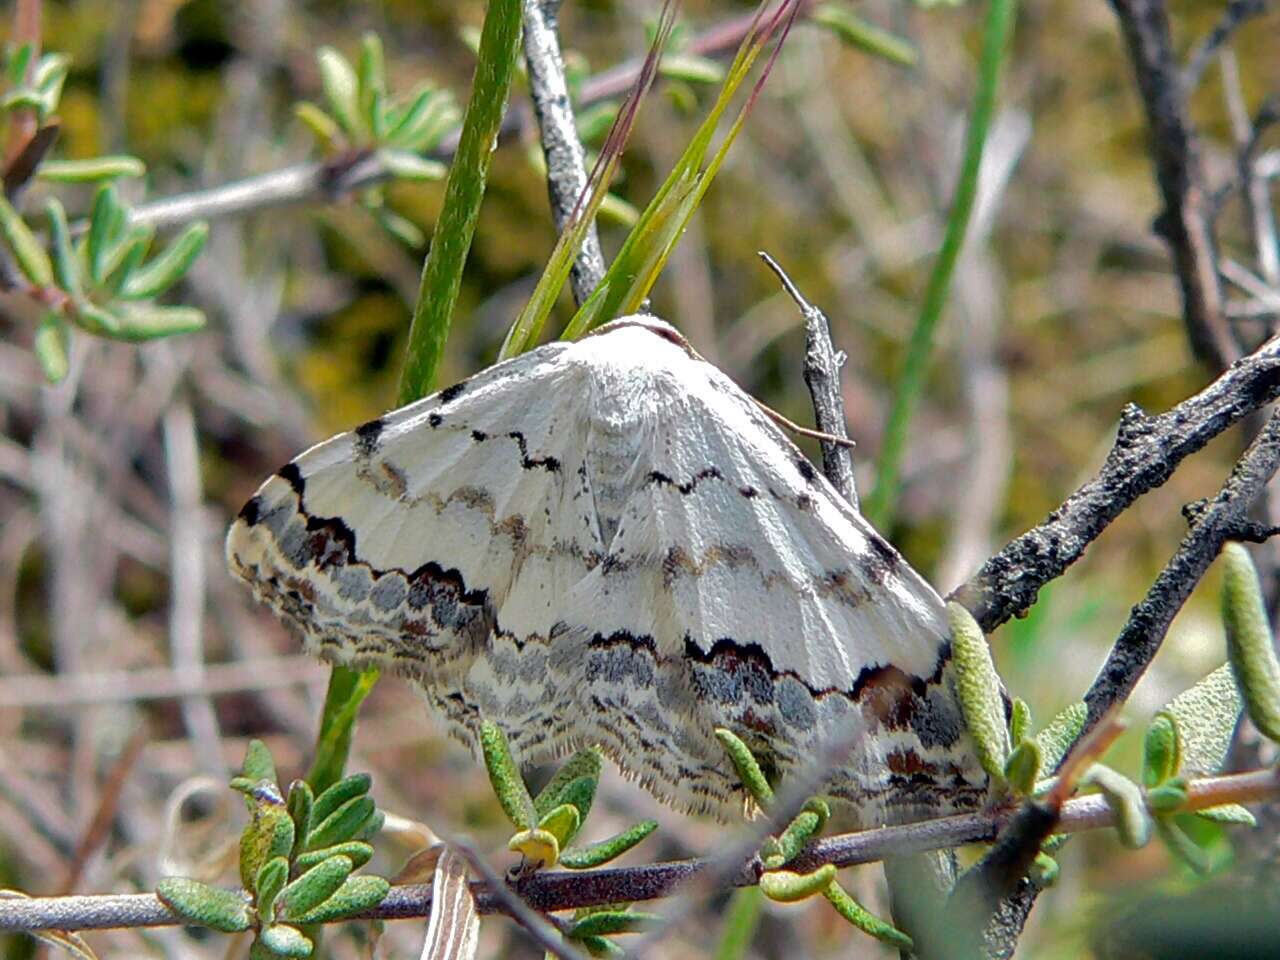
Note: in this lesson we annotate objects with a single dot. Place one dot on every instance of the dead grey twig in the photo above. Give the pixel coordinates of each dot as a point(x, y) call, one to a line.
point(566, 159)
point(822, 363)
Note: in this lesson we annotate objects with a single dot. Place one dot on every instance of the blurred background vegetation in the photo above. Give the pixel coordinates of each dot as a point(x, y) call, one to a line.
point(121, 635)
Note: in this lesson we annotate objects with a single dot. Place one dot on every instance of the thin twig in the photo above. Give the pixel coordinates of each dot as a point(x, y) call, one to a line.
point(329, 179)
point(565, 157)
point(537, 926)
point(556, 890)
point(1236, 13)
point(822, 365)
point(1185, 221)
point(1146, 451)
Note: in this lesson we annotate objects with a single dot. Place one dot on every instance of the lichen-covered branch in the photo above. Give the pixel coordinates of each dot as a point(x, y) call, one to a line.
point(566, 159)
point(1146, 451)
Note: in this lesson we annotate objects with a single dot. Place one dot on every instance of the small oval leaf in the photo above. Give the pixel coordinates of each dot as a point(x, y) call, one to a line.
point(202, 905)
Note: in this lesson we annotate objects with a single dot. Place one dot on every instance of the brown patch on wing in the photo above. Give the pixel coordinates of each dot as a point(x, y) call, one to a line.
point(890, 695)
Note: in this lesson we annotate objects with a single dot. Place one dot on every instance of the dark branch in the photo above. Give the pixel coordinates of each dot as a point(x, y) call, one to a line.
point(1185, 221)
point(1147, 449)
point(565, 157)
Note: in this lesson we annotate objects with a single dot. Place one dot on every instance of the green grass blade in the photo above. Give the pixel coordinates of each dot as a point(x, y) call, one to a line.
point(442, 273)
point(879, 506)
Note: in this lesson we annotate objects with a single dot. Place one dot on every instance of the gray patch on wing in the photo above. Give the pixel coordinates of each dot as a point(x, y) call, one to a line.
point(354, 582)
point(938, 722)
point(389, 592)
point(795, 704)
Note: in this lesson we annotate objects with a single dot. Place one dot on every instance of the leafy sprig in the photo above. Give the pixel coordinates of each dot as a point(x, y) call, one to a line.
point(297, 859)
point(360, 114)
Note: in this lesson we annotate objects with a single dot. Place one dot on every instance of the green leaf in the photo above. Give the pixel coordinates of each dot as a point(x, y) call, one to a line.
point(1183, 847)
point(803, 827)
point(167, 268)
point(1023, 767)
point(1125, 799)
point(286, 941)
point(421, 125)
point(322, 126)
point(372, 79)
point(1057, 738)
point(1160, 753)
point(355, 896)
point(1250, 643)
point(268, 835)
point(504, 776)
point(585, 764)
point(357, 851)
point(410, 166)
point(602, 947)
point(300, 803)
point(562, 822)
point(314, 887)
point(605, 923)
point(91, 170)
point(593, 122)
point(978, 690)
point(102, 321)
point(106, 219)
point(341, 825)
point(51, 71)
point(864, 35)
point(1044, 871)
point(1229, 813)
point(52, 346)
point(744, 762)
point(66, 266)
point(691, 68)
point(27, 251)
point(341, 92)
point(145, 321)
point(271, 879)
point(1205, 716)
point(345, 790)
point(786, 886)
point(201, 905)
point(606, 850)
point(1169, 797)
point(258, 764)
point(1019, 721)
point(16, 63)
point(126, 256)
point(865, 920)
point(539, 847)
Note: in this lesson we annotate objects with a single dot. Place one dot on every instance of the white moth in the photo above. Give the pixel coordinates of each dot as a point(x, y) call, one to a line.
point(608, 541)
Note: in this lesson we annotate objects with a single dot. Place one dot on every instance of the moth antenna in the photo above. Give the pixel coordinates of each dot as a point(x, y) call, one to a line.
point(795, 428)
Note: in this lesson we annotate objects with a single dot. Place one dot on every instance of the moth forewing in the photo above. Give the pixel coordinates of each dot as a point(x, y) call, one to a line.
point(610, 542)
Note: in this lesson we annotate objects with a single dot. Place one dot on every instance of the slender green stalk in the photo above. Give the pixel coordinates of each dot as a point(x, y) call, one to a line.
point(441, 279)
point(879, 507)
point(740, 924)
point(347, 690)
point(442, 273)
